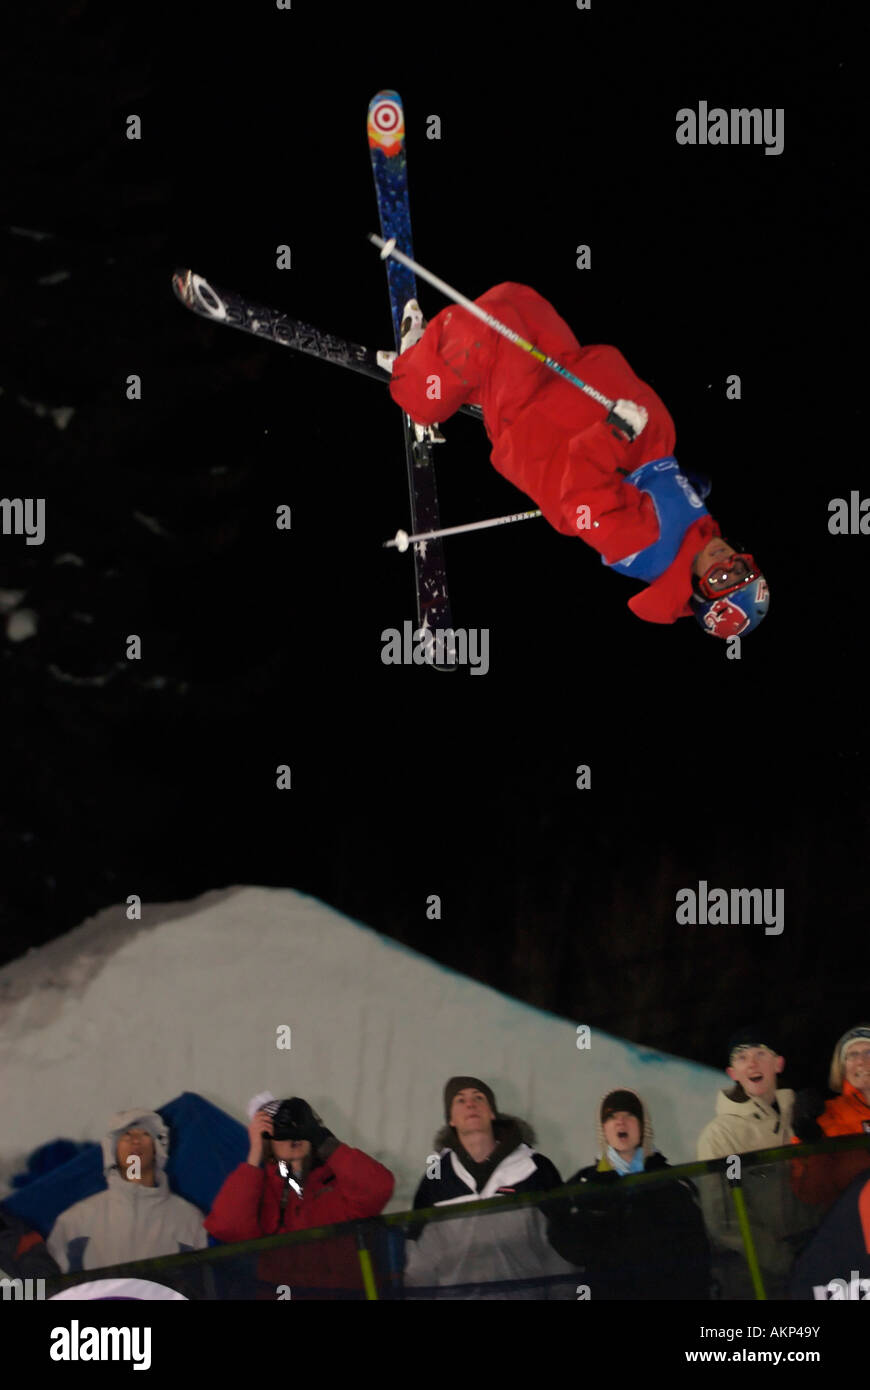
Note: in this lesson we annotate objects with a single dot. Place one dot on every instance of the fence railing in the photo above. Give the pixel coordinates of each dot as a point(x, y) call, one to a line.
point(755, 1223)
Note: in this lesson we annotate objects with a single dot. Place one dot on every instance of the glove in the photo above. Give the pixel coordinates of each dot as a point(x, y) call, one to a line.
point(654, 1162)
point(296, 1120)
point(699, 482)
point(628, 418)
point(607, 1175)
point(808, 1105)
point(595, 1213)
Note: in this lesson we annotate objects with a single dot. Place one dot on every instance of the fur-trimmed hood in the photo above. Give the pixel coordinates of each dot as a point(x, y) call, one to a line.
point(504, 1128)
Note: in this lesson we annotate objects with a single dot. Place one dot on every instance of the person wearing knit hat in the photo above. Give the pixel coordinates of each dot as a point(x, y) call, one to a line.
point(624, 1133)
point(480, 1153)
point(463, 1083)
point(851, 1062)
point(643, 1242)
point(822, 1178)
point(754, 1113)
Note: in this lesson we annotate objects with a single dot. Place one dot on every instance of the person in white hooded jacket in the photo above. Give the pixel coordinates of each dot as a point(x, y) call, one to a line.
point(137, 1217)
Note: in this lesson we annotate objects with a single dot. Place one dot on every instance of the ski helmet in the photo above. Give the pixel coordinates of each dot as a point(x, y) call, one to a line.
point(731, 596)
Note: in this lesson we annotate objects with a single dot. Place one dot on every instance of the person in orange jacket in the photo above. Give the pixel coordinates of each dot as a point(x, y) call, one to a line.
point(610, 479)
point(298, 1175)
point(821, 1179)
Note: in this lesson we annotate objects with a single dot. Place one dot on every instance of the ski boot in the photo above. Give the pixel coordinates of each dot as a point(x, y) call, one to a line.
point(413, 325)
point(412, 329)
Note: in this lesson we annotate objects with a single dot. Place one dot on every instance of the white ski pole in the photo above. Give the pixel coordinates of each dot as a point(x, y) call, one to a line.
point(388, 248)
point(402, 540)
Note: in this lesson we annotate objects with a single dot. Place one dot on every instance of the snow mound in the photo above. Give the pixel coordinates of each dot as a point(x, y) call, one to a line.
point(194, 997)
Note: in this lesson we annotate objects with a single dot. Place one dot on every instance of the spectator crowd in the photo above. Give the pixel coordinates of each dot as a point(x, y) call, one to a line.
point(666, 1239)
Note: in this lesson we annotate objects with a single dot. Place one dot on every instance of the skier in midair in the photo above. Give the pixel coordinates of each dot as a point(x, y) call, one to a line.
point(611, 479)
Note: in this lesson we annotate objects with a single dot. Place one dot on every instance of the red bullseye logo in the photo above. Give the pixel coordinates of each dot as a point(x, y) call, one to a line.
point(386, 126)
point(387, 117)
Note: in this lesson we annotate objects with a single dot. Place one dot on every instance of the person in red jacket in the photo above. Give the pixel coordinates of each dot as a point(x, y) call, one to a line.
point(298, 1175)
point(821, 1179)
point(612, 480)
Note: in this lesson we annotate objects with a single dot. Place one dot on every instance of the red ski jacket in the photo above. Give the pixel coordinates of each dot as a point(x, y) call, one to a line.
point(348, 1185)
point(821, 1179)
point(548, 437)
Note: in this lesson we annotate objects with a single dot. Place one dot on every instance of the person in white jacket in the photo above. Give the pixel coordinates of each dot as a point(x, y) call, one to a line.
point(506, 1255)
point(137, 1217)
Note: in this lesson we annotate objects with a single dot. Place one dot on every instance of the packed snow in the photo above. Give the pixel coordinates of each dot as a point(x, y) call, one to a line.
point(193, 997)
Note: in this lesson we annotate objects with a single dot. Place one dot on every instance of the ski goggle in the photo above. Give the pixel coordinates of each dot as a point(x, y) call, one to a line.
point(728, 575)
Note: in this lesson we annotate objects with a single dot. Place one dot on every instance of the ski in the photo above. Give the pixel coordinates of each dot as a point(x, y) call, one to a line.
point(385, 129)
point(218, 305)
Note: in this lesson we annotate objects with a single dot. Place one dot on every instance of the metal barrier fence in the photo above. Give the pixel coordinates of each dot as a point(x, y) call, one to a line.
point(629, 1237)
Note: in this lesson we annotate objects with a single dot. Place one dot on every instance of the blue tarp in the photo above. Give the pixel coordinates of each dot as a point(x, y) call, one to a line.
point(205, 1145)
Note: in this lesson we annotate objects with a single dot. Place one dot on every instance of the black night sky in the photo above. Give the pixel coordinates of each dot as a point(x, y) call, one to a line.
point(263, 648)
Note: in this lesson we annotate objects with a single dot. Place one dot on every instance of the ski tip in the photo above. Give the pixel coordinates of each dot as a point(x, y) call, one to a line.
point(182, 284)
point(386, 123)
point(197, 294)
point(385, 94)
